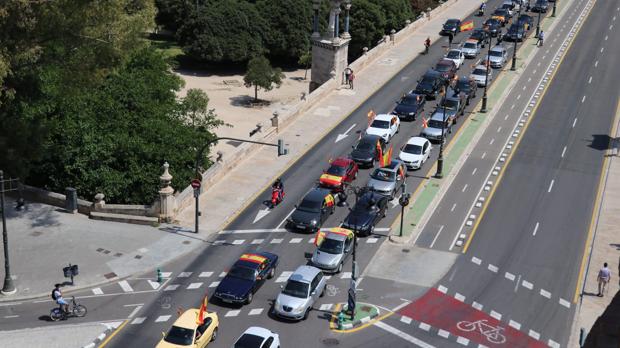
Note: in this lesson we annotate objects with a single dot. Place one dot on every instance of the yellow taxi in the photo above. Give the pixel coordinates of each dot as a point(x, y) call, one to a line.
point(188, 331)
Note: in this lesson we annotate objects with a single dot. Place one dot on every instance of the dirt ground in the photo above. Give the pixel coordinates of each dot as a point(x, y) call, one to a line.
point(232, 100)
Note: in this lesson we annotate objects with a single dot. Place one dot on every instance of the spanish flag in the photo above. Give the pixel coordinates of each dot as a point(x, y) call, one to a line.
point(424, 122)
point(379, 150)
point(387, 158)
point(203, 308)
point(467, 26)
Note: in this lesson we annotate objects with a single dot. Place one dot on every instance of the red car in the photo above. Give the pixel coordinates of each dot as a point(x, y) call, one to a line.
point(447, 68)
point(341, 170)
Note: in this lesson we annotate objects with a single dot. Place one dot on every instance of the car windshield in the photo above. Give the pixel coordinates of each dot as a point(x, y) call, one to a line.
point(180, 336)
point(450, 103)
point(463, 86)
point(249, 341)
point(365, 205)
point(242, 273)
point(443, 67)
point(296, 289)
point(380, 124)
point(336, 170)
point(469, 45)
point(413, 149)
point(309, 206)
point(500, 11)
point(411, 101)
point(366, 145)
point(495, 54)
point(453, 55)
point(383, 175)
point(479, 72)
point(332, 246)
point(434, 124)
point(452, 21)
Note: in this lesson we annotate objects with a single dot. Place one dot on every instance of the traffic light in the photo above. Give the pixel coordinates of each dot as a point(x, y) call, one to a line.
point(282, 150)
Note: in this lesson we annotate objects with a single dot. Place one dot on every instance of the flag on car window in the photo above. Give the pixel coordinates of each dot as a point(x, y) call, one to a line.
point(467, 26)
point(203, 308)
point(387, 158)
point(424, 122)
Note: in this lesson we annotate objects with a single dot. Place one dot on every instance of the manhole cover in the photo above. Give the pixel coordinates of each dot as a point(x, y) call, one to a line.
point(330, 342)
point(36, 233)
point(110, 275)
point(186, 242)
point(405, 250)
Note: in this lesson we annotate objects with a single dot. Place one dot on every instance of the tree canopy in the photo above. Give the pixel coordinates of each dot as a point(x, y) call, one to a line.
point(260, 74)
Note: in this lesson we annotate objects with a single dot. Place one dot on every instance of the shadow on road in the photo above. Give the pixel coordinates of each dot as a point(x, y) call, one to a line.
point(602, 142)
point(606, 330)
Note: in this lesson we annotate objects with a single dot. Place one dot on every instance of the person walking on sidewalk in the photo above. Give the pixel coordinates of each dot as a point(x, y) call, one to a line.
point(347, 74)
point(351, 78)
point(603, 279)
point(541, 38)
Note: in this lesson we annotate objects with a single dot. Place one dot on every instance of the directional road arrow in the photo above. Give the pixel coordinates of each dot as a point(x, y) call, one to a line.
point(261, 214)
point(395, 202)
point(345, 134)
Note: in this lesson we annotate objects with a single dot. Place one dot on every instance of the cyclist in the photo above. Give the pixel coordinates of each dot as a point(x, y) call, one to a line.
point(427, 45)
point(57, 296)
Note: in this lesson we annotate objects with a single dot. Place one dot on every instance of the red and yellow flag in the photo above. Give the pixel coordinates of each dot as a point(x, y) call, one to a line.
point(379, 150)
point(371, 116)
point(467, 26)
point(424, 122)
point(203, 309)
point(401, 171)
point(387, 158)
point(331, 180)
point(329, 200)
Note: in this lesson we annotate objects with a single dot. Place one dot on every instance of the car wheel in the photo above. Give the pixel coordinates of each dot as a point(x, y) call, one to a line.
point(214, 335)
point(249, 299)
point(339, 268)
point(372, 228)
point(372, 164)
point(323, 292)
point(271, 273)
point(307, 314)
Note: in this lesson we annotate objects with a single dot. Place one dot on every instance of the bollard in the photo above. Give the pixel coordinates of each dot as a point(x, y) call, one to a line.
point(159, 276)
point(582, 337)
point(340, 319)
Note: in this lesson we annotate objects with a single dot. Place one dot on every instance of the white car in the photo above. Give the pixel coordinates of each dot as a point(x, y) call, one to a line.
point(385, 126)
point(457, 56)
point(415, 152)
point(479, 75)
point(258, 337)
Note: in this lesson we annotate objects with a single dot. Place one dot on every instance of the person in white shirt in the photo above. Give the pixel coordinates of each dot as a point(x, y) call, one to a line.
point(604, 275)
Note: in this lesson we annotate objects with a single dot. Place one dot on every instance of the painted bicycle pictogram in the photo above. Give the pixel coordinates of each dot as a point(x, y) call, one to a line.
point(492, 333)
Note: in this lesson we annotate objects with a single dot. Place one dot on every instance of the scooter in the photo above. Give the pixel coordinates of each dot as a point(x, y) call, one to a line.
point(481, 12)
point(277, 196)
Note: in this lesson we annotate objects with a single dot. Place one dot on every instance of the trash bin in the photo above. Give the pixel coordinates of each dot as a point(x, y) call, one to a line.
point(74, 270)
point(71, 200)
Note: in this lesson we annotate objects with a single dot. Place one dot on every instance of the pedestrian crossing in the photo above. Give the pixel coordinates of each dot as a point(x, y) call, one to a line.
point(295, 240)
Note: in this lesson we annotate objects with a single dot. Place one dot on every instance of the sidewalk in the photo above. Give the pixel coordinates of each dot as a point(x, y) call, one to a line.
point(600, 316)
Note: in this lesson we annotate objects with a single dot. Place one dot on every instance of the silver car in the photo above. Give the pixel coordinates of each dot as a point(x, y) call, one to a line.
point(433, 131)
point(387, 180)
point(497, 56)
point(479, 75)
point(471, 48)
point(333, 251)
point(302, 290)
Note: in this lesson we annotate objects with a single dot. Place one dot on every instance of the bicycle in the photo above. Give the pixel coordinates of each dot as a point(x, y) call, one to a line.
point(492, 333)
point(75, 310)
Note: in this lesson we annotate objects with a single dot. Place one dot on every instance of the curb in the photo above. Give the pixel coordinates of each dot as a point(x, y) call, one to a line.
point(358, 322)
point(110, 327)
point(333, 323)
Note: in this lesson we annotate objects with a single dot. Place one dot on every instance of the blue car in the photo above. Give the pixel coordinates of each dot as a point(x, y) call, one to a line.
point(246, 276)
point(409, 106)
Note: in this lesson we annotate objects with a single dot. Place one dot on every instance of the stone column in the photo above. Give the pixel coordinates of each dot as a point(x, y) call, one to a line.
point(167, 202)
point(316, 4)
point(336, 24)
point(347, 9)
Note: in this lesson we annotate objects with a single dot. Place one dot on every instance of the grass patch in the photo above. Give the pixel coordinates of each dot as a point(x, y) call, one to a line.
point(169, 48)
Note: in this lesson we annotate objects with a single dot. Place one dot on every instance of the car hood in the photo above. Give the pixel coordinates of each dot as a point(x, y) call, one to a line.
point(234, 286)
point(291, 301)
point(323, 258)
point(358, 219)
point(379, 185)
point(362, 155)
point(409, 157)
point(304, 217)
point(432, 131)
point(494, 59)
point(405, 109)
point(478, 77)
point(468, 50)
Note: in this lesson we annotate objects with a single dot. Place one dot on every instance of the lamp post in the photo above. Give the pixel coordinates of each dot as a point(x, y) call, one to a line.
point(282, 150)
point(486, 79)
point(9, 287)
point(439, 173)
point(554, 4)
point(538, 24)
point(514, 51)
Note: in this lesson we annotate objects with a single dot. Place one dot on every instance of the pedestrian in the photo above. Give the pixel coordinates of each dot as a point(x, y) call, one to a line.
point(351, 78)
point(528, 6)
point(450, 38)
point(604, 275)
point(347, 74)
point(541, 38)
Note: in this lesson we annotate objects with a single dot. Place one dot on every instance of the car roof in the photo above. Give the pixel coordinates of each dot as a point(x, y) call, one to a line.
point(480, 66)
point(417, 141)
point(369, 138)
point(317, 194)
point(188, 318)
point(432, 73)
point(336, 236)
point(384, 117)
point(454, 49)
point(444, 61)
point(304, 273)
point(498, 48)
point(473, 41)
point(258, 331)
point(341, 162)
point(438, 116)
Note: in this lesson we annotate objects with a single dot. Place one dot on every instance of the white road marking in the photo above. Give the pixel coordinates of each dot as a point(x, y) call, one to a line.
point(563, 152)
point(596, 64)
point(517, 283)
point(311, 240)
point(509, 276)
point(345, 134)
point(238, 241)
point(125, 286)
point(171, 287)
point(545, 293)
point(184, 274)
point(533, 334)
point(372, 240)
point(162, 318)
point(493, 268)
point(11, 316)
point(514, 324)
point(285, 218)
point(346, 275)
point(483, 155)
point(477, 305)
point(564, 303)
point(512, 107)
point(424, 326)
point(326, 307)
point(153, 284)
point(583, 99)
point(214, 284)
point(255, 311)
point(135, 311)
point(476, 260)
point(194, 286)
point(436, 236)
point(295, 240)
point(606, 37)
point(496, 315)
point(535, 229)
point(453, 206)
point(527, 285)
point(492, 141)
point(276, 241)
point(402, 335)
point(499, 129)
point(223, 274)
point(405, 319)
point(283, 277)
point(590, 80)
point(551, 185)
point(443, 333)
point(138, 320)
point(97, 291)
point(443, 289)
point(464, 188)
point(261, 214)
point(602, 49)
point(553, 344)
point(459, 297)
point(257, 241)
point(462, 340)
point(574, 122)
point(524, 87)
point(232, 313)
point(205, 274)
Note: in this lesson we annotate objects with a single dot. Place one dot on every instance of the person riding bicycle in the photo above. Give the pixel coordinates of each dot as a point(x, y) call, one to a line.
point(483, 6)
point(427, 44)
point(57, 296)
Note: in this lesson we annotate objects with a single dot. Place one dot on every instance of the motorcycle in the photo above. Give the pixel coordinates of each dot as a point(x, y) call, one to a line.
point(75, 310)
point(481, 12)
point(277, 195)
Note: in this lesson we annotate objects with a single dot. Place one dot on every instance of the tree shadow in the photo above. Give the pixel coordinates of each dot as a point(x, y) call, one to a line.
point(602, 142)
point(606, 330)
point(248, 102)
point(617, 246)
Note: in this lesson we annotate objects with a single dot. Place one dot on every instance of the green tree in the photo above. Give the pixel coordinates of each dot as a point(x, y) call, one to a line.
point(289, 25)
point(368, 25)
point(396, 13)
point(260, 74)
point(223, 31)
point(305, 60)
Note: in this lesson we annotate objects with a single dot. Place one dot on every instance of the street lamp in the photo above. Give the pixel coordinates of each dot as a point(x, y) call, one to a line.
point(9, 287)
point(486, 78)
point(554, 4)
point(282, 150)
point(514, 51)
point(538, 24)
point(439, 173)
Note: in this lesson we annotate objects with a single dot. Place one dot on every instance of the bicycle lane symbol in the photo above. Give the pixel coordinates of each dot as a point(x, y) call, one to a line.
point(492, 333)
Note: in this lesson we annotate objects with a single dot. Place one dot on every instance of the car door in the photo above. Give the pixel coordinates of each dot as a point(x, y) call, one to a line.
point(426, 151)
point(205, 331)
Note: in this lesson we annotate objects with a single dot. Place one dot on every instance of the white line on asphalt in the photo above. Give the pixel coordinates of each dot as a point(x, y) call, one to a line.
point(477, 305)
point(443, 333)
point(276, 241)
point(527, 285)
point(424, 326)
point(514, 324)
point(223, 274)
point(97, 291)
point(519, 97)
point(285, 218)
point(534, 71)
point(259, 230)
point(553, 344)
point(326, 307)
point(283, 277)
point(372, 240)
point(443, 289)
point(402, 335)
point(606, 37)
point(17, 303)
point(492, 141)
point(496, 315)
point(453, 206)
point(483, 155)
point(464, 188)
point(462, 340)
point(405, 320)
point(611, 26)
point(194, 286)
point(185, 274)
point(171, 287)
point(135, 311)
point(564, 303)
point(551, 185)
point(295, 240)
point(574, 122)
point(512, 107)
point(545, 293)
point(400, 306)
point(583, 99)
point(205, 274)
point(517, 283)
point(459, 297)
point(437, 235)
point(255, 311)
point(506, 117)
point(346, 275)
point(563, 152)
point(524, 87)
point(476, 260)
point(590, 80)
point(232, 313)
point(125, 286)
point(257, 241)
point(11, 316)
point(529, 79)
point(493, 268)
point(138, 320)
point(533, 334)
point(596, 64)
point(535, 229)
point(214, 284)
point(162, 318)
point(602, 49)
point(238, 241)
point(509, 276)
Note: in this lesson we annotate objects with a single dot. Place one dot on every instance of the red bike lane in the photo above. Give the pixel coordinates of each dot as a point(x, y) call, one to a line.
point(445, 312)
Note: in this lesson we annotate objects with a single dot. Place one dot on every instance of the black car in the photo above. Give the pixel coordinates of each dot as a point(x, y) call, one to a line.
point(365, 152)
point(246, 276)
point(493, 26)
point(504, 12)
point(430, 84)
point(468, 86)
point(479, 35)
point(366, 213)
point(540, 6)
point(314, 209)
point(451, 26)
point(409, 106)
point(516, 32)
point(526, 21)
point(454, 103)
